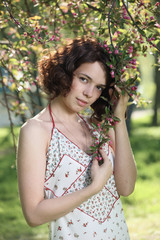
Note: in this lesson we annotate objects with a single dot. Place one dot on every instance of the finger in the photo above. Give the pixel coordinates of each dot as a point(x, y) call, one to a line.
point(95, 162)
point(118, 89)
point(104, 155)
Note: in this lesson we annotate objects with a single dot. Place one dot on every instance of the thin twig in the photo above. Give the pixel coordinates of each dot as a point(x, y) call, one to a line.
point(94, 8)
point(9, 114)
point(109, 22)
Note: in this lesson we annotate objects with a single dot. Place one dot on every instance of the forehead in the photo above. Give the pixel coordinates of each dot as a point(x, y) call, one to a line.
point(93, 70)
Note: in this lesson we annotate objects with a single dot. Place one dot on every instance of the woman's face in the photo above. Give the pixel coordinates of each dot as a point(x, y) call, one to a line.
point(89, 80)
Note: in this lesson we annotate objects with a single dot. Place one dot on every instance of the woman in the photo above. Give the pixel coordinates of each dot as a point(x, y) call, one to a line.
point(59, 181)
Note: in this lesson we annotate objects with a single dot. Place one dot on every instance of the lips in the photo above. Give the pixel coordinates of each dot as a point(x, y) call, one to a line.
point(81, 102)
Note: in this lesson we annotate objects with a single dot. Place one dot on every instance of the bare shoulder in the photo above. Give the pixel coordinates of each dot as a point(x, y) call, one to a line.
point(37, 129)
point(32, 125)
point(33, 128)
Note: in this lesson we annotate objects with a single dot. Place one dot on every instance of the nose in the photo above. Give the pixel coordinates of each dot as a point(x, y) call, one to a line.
point(88, 91)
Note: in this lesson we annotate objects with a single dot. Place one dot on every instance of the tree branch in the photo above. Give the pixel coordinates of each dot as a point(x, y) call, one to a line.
point(19, 24)
point(109, 22)
point(9, 114)
point(138, 28)
point(94, 8)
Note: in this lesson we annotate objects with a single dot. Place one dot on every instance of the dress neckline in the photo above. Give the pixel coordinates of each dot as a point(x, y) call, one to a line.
point(54, 127)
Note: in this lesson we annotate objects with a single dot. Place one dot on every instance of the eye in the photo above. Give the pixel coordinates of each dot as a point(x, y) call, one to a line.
point(83, 79)
point(100, 88)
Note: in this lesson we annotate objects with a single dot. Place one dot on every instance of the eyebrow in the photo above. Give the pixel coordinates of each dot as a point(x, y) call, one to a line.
point(102, 85)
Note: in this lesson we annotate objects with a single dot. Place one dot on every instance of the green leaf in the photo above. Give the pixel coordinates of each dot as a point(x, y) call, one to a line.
point(94, 125)
point(123, 92)
point(106, 110)
point(104, 98)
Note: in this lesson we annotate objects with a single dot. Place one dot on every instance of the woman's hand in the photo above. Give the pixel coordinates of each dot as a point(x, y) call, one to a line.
point(100, 174)
point(121, 104)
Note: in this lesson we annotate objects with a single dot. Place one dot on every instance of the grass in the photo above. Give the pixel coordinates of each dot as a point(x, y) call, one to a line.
point(142, 208)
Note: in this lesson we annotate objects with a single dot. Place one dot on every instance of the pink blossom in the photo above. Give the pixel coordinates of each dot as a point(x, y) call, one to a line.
point(70, 4)
point(157, 25)
point(134, 88)
point(157, 4)
point(92, 33)
point(110, 120)
point(116, 51)
point(130, 50)
point(36, 30)
point(112, 74)
point(111, 66)
point(52, 38)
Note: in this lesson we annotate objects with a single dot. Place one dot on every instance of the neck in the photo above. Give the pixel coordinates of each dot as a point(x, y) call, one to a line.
point(61, 111)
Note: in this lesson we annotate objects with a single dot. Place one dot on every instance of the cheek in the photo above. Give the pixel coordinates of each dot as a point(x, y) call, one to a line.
point(75, 85)
point(96, 95)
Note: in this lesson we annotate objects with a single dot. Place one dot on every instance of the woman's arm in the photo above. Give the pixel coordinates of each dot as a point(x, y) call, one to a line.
point(125, 167)
point(31, 165)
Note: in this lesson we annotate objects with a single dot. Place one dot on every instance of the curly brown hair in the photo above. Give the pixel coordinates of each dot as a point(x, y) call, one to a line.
point(56, 70)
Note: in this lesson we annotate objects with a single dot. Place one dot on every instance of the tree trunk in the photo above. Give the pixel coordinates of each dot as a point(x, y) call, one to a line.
point(156, 98)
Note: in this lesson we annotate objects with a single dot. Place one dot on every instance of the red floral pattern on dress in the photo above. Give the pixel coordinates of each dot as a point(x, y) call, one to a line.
point(68, 170)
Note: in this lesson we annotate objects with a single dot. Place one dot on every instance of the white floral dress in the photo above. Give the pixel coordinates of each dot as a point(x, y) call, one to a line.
point(68, 170)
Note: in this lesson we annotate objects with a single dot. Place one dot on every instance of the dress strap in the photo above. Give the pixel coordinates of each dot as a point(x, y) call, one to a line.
point(51, 118)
